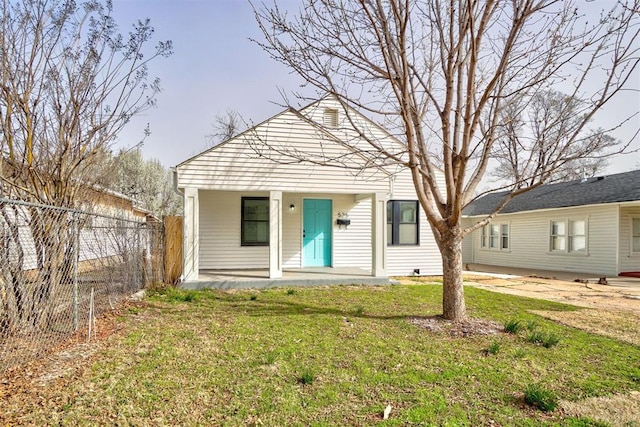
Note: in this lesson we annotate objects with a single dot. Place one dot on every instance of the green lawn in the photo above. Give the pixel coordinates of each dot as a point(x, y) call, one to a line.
point(336, 356)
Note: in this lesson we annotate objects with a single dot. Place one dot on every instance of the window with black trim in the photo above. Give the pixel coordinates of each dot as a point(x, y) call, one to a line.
point(402, 222)
point(255, 221)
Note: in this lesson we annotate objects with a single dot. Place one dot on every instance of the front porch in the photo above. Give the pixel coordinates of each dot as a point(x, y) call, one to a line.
point(259, 278)
point(275, 233)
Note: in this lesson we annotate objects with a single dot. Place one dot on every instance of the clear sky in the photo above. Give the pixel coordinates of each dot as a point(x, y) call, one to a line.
point(216, 67)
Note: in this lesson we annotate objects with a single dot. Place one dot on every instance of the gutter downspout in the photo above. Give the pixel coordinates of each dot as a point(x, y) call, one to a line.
point(174, 180)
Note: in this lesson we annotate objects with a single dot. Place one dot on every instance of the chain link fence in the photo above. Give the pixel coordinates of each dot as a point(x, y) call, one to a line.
point(61, 268)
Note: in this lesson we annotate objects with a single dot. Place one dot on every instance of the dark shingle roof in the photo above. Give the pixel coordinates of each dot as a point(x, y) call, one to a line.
point(622, 187)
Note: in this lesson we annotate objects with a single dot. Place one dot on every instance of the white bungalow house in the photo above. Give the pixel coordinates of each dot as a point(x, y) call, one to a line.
point(290, 194)
point(585, 226)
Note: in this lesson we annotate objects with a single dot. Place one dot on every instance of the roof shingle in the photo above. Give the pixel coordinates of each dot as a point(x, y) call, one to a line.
point(622, 187)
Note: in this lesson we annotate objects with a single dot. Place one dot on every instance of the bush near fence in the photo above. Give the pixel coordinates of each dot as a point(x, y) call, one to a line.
point(61, 268)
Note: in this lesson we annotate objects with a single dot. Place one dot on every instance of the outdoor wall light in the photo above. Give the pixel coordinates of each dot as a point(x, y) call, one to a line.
point(292, 208)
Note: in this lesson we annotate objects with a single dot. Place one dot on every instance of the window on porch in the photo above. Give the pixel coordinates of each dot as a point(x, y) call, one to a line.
point(255, 221)
point(402, 222)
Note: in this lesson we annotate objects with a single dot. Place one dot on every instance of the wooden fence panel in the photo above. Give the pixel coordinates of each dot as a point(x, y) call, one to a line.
point(172, 249)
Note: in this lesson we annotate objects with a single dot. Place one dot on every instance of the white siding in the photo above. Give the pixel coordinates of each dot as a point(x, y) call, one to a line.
point(220, 232)
point(345, 127)
point(403, 260)
point(530, 241)
point(291, 231)
point(261, 160)
point(352, 247)
point(627, 260)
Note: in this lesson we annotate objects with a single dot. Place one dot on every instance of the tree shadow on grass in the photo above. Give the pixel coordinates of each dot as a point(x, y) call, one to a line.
point(285, 306)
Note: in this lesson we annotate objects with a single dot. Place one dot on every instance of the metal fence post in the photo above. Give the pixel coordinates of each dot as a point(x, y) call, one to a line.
point(138, 259)
point(76, 258)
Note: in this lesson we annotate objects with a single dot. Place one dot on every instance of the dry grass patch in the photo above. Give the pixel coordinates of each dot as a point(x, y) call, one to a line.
point(617, 410)
point(621, 325)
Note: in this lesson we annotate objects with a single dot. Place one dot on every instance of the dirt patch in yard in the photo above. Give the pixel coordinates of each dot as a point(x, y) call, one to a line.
point(471, 327)
point(617, 410)
point(614, 311)
point(592, 295)
point(620, 325)
point(47, 377)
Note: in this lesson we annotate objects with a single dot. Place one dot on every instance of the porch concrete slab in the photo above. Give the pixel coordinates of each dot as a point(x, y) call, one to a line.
point(259, 278)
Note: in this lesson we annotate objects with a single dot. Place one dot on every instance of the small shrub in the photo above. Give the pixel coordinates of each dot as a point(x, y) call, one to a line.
point(359, 311)
point(270, 358)
point(253, 297)
point(584, 422)
point(519, 353)
point(307, 377)
point(190, 296)
point(550, 340)
point(291, 291)
point(179, 295)
point(513, 326)
point(494, 348)
point(532, 325)
point(535, 337)
point(539, 397)
point(157, 288)
point(547, 340)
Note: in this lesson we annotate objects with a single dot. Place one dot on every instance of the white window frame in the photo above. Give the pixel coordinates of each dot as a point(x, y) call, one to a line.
point(487, 237)
point(632, 236)
point(572, 237)
point(568, 237)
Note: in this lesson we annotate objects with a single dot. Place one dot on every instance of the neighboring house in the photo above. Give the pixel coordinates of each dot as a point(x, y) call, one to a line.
point(115, 204)
point(114, 219)
point(253, 203)
point(587, 226)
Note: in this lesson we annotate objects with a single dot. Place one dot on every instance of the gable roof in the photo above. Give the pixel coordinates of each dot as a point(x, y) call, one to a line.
point(621, 187)
point(234, 137)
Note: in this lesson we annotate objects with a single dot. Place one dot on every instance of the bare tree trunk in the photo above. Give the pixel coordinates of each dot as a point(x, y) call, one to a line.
point(453, 305)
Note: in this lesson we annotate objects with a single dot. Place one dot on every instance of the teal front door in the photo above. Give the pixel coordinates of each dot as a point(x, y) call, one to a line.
point(316, 233)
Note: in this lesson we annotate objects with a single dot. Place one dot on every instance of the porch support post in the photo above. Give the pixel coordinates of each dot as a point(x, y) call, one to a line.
point(191, 231)
point(379, 235)
point(275, 234)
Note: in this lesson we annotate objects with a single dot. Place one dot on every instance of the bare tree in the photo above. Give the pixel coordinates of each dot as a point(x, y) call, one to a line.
point(529, 135)
point(69, 82)
point(145, 181)
point(441, 75)
point(224, 127)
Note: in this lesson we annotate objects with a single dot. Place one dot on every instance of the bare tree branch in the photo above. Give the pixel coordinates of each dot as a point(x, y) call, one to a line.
point(442, 76)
